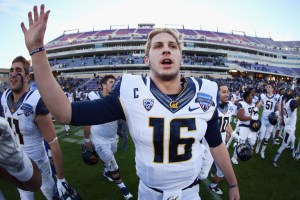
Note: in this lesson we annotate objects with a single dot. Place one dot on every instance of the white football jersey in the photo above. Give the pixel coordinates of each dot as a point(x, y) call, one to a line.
point(11, 155)
point(255, 99)
point(235, 97)
point(225, 115)
point(248, 111)
point(168, 159)
point(103, 133)
point(269, 104)
point(70, 96)
point(290, 118)
point(21, 118)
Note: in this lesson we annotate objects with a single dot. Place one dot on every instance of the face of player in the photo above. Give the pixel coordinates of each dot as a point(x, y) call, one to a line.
point(224, 93)
point(164, 57)
point(269, 89)
point(17, 78)
point(249, 98)
point(106, 88)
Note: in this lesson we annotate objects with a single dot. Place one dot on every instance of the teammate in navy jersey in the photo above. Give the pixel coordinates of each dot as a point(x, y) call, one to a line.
point(166, 117)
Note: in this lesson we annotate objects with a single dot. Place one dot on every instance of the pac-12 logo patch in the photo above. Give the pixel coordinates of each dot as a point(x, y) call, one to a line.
point(204, 100)
point(148, 103)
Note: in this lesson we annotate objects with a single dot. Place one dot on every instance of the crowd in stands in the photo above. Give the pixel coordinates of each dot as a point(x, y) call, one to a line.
point(87, 85)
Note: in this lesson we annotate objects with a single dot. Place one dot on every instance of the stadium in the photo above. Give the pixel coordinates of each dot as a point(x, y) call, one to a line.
point(81, 59)
point(205, 53)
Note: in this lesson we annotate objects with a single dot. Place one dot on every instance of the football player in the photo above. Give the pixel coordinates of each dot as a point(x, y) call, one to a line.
point(166, 118)
point(246, 112)
point(290, 105)
point(31, 122)
point(15, 165)
point(269, 102)
point(105, 139)
point(235, 99)
point(277, 132)
point(225, 112)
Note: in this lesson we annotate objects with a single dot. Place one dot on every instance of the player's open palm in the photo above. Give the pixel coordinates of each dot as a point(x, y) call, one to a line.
point(34, 35)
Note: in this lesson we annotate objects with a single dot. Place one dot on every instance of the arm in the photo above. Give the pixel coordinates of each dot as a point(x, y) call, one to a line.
point(59, 106)
point(220, 154)
point(221, 157)
point(87, 133)
point(33, 184)
point(15, 165)
point(259, 104)
point(47, 129)
point(241, 114)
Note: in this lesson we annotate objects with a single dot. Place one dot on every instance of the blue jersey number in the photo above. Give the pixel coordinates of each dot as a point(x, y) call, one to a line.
point(14, 124)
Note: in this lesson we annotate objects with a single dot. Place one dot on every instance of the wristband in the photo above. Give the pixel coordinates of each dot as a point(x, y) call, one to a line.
point(233, 186)
point(55, 139)
point(87, 140)
point(36, 50)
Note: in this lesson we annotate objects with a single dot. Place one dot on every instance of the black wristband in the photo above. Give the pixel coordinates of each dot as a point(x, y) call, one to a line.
point(233, 186)
point(36, 50)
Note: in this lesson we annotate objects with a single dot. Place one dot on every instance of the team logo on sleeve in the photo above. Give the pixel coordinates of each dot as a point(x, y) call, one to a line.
point(27, 109)
point(148, 103)
point(204, 100)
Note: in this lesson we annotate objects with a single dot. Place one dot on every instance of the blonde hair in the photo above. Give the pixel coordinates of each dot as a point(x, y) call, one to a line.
point(157, 31)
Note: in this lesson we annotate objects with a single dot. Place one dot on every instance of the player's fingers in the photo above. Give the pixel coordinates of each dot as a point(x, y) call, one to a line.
point(42, 10)
point(46, 16)
point(35, 13)
point(24, 29)
point(30, 19)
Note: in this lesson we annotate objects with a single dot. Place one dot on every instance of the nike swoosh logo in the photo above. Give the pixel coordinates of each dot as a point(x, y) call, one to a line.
point(192, 109)
point(19, 114)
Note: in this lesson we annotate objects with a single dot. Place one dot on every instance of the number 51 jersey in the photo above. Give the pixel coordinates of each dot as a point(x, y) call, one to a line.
point(20, 116)
point(167, 132)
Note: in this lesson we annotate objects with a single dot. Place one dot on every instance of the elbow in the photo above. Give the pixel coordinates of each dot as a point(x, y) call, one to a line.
point(62, 119)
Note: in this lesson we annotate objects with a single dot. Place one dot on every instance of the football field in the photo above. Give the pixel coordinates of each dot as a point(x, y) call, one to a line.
point(257, 178)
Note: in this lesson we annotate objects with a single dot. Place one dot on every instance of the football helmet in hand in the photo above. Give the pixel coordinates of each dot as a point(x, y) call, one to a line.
point(273, 118)
point(255, 125)
point(70, 194)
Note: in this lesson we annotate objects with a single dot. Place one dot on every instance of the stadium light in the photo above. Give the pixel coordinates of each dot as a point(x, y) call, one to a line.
point(239, 32)
point(71, 30)
point(179, 25)
point(111, 26)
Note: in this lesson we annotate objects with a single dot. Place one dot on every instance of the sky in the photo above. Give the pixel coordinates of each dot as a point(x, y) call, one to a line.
point(277, 19)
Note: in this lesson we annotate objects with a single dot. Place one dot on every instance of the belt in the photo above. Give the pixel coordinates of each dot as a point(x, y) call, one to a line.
point(196, 182)
point(244, 125)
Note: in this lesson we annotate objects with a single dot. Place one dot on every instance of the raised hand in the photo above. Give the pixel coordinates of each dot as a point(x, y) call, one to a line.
point(34, 35)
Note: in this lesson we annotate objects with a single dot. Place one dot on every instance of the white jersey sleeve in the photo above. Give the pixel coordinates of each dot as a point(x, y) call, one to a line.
point(12, 157)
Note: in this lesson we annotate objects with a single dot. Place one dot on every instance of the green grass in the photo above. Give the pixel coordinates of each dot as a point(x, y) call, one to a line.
point(257, 178)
